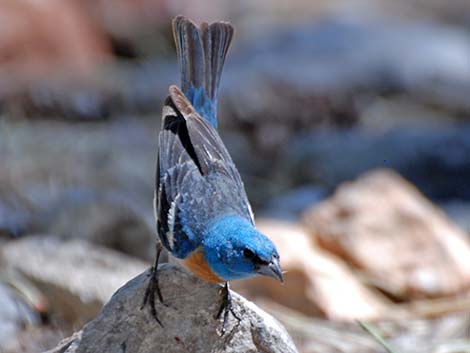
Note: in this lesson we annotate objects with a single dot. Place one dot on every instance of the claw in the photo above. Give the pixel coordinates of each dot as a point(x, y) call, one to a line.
point(153, 287)
point(226, 307)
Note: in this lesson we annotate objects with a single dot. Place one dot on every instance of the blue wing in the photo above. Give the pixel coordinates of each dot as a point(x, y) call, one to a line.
point(197, 180)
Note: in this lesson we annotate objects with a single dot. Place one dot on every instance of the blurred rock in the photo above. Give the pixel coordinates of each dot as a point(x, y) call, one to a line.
point(449, 333)
point(383, 226)
point(436, 159)
point(458, 212)
point(26, 290)
point(15, 315)
point(40, 38)
point(60, 98)
point(315, 335)
point(289, 205)
point(188, 317)
point(102, 220)
point(39, 338)
point(315, 281)
point(106, 200)
point(329, 67)
point(16, 213)
point(50, 55)
point(75, 276)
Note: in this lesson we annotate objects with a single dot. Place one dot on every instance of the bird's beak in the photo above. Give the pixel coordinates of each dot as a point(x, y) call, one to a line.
point(272, 269)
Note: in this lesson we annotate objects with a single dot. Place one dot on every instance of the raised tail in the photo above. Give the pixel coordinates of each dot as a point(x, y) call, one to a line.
point(201, 55)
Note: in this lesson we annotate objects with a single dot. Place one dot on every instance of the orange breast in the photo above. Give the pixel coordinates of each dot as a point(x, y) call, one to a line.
point(199, 266)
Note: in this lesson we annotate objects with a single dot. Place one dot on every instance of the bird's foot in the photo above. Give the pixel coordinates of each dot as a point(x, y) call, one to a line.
point(153, 288)
point(226, 307)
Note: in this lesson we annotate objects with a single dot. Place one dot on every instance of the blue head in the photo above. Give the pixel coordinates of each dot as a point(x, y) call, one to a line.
point(234, 249)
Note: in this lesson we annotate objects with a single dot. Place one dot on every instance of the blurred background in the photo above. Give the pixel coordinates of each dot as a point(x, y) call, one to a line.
point(349, 121)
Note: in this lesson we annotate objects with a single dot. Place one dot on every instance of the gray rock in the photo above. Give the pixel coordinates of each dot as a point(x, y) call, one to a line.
point(188, 318)
point(16, 213)
point(325, 66)
point(43, 191)
point(76, 277)
point(15, 315)
point(459, 212)
point(103, 219)
point(330, 67)
point(289, 205)
point(435, 159)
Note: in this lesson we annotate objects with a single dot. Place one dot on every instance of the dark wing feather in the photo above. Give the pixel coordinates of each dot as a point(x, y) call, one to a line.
point(204, 139)
point(175, 143)
point(177, 161)
point(210, 151)
point(177, 238)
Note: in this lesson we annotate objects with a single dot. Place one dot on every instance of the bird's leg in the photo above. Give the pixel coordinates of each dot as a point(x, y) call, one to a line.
point(153, 286)
point(226, 307)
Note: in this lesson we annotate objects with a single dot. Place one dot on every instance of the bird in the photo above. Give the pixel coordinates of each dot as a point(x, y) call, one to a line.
point(203, 216)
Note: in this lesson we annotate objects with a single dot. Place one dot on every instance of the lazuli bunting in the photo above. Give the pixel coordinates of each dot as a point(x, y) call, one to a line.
point(202, 212)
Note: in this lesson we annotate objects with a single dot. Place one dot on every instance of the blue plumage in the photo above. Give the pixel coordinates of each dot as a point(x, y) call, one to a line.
point(201, 55)
point(200, 202)
point(230, 245)
point(205, 106)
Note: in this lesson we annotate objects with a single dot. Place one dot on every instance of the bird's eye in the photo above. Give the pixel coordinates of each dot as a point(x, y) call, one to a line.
point(248, 253)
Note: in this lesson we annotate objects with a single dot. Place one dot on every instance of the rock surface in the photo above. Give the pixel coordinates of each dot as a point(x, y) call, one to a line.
point(16, 214)
point(315, 281)
point(436, 158)
point(405, 245)
point(43, 191)
point(188, 318)
point(290, 205)
point(76, 277)
point(40, 38)
point(15, 314)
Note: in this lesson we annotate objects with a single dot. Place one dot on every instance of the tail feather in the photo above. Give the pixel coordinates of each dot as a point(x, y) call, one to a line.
point(201, 54)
